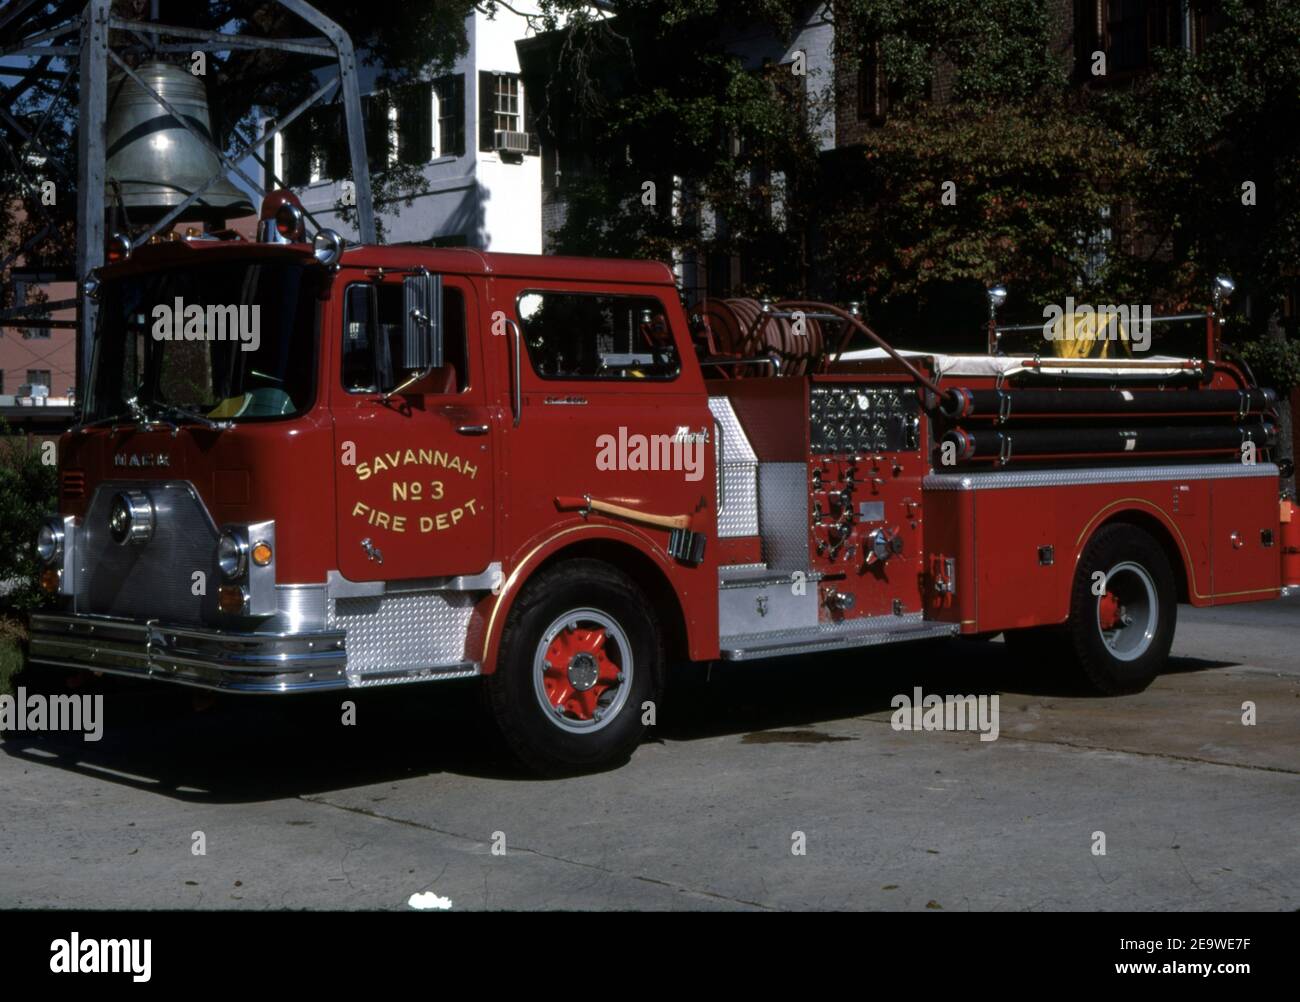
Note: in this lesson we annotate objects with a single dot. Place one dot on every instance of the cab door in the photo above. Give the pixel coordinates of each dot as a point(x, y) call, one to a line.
point(414, 469)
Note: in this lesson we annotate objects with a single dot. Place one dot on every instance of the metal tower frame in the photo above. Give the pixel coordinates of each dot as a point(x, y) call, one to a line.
point(82, 40)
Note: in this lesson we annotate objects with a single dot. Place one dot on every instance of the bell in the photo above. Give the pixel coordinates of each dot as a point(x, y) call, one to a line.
point(156, 163)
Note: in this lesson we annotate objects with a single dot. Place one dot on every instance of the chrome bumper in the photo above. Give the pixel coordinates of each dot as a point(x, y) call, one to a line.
point(206, 658)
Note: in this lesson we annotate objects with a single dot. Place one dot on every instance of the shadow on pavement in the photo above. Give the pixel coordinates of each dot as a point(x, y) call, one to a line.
point(248, 749)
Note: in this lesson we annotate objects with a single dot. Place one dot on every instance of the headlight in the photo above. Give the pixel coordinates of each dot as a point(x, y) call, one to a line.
point(49, 542)
point(232, 555)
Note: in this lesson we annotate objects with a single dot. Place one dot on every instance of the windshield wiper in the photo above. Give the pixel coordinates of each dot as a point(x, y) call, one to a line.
point(184, 412)
point(104, 420)
point(134, 412)
point(139, 415)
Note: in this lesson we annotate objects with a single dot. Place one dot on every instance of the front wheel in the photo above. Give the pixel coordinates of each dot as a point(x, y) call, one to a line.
point(580, 660)
point(1123, 610)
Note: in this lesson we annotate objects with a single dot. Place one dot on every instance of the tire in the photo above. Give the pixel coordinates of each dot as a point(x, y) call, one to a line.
point(573, 637)
point(1120, 640)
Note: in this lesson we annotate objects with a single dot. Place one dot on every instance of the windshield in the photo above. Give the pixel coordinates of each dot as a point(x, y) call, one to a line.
point(222, 341)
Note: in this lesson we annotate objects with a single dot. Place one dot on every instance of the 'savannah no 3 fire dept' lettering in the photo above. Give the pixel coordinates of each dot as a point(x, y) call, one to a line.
point(412, 457)
point(424, 523)
point(848, 495)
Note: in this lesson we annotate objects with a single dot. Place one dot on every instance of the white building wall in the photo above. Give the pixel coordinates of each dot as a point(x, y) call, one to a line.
point(493, 203)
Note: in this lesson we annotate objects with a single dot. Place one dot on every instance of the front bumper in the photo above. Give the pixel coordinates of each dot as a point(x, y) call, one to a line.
point(205, 658)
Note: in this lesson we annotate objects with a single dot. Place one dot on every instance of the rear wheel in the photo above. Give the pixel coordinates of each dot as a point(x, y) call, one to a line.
point(580, 656)
point(1122, 611)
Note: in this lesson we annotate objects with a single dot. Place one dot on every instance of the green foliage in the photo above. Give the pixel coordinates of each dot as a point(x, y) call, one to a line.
point(28, 491)
point(1211, 122)
point(753, 157)
point(11, 654)
point(1042, 168)
point(735, 136)
point(1275, 362)
point(998, 50)
point(1021, 200)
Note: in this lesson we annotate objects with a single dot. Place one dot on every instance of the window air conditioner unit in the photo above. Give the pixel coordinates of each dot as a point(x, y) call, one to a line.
point(512, 142)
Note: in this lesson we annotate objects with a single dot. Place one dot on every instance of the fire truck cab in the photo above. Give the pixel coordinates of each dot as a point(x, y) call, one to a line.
point(307, 467)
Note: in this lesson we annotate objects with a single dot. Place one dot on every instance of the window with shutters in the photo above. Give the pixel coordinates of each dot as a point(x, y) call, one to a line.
point(414, 123)
point(316, 147)
point(501, 108)
point(506, 103)
point(1129, 32)
point(873, 92)
point(451, 114)
point(375, 119)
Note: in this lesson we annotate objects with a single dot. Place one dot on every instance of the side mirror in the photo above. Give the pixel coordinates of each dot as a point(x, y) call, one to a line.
point(423, 324)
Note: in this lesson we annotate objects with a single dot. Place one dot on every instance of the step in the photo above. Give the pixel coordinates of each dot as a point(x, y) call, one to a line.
point(864, 632)
point(752, 575)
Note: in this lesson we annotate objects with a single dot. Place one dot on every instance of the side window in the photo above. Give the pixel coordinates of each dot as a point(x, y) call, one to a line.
point(373, 327)
point(573, 335)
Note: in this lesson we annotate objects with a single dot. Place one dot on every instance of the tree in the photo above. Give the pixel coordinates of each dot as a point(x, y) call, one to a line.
point(868, 222)
point(688, 149)
point(1218, 130)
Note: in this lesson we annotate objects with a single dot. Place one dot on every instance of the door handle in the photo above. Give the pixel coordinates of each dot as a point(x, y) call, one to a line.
point(516, 384)
point(472, 429)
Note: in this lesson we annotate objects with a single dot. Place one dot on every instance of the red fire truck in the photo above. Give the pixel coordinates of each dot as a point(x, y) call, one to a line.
point(307, 467)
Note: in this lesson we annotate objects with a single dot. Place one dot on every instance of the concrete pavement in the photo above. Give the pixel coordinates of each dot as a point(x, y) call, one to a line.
point(1198, 811)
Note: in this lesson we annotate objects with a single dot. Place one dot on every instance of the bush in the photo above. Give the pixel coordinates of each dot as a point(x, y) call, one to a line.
point(11, 654)
point(1275, 362)
point(28, 491)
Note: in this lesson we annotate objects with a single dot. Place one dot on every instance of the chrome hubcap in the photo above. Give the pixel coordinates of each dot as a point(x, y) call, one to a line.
point(1128, 612)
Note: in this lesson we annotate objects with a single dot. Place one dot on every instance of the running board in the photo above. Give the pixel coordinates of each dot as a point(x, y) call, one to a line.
point(834, 636)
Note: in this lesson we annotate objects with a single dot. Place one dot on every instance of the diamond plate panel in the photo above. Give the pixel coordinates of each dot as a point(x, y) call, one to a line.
point(783, 514)
point(738, 499)
point(402, 632)
point(1100, 475)
point(731, 436)
point(737, 473)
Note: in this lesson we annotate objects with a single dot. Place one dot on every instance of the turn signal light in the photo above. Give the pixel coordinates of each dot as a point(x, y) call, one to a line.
point(50, 580)
point(261, 554)
point(231, 599)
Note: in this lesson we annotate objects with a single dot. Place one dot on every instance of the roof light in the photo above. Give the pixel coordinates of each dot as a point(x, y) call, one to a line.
point(288, 222)
point(118, 248)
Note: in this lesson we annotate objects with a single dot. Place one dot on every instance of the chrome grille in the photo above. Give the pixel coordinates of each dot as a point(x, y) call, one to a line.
point(152, 580)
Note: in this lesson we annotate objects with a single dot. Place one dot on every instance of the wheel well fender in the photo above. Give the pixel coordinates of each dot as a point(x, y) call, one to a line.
point(1165, 535)
point(622, 549)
